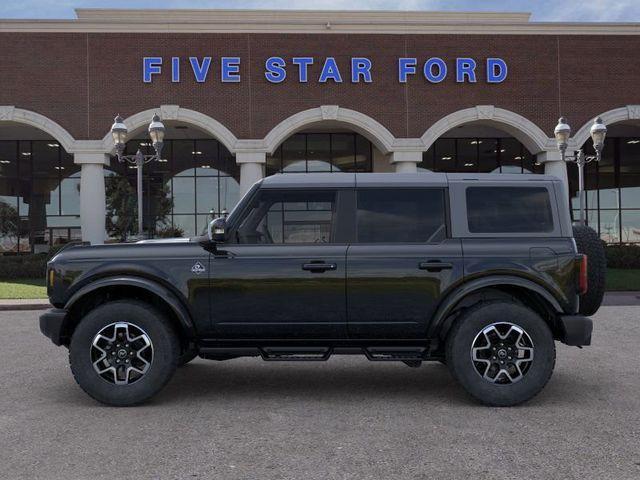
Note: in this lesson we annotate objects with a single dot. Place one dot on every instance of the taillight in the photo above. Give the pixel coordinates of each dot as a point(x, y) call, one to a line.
point(583, 280)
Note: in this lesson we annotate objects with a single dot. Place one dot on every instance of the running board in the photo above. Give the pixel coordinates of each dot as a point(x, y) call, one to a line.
point(317, 354)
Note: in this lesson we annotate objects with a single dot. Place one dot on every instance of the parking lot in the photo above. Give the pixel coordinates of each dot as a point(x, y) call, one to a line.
point(341, 419)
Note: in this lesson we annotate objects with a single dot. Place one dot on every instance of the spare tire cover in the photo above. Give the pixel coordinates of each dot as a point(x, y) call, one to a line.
point(589, 243)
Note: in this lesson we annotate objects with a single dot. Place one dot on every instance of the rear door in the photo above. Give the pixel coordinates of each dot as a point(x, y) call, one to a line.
point(401, 262)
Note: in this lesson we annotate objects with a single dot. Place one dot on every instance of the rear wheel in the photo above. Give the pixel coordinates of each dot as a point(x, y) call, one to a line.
point(502, 353)
point(589, 243)
point(122, 353)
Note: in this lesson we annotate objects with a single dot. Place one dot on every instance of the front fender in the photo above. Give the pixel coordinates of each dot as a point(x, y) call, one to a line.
point(166, 295)
point(438, 322)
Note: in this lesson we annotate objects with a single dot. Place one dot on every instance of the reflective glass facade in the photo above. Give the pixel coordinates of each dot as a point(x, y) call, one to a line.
point(200, 176)
point(612, 189)
point(488, 155)
point(39, 196)
point(322, 152)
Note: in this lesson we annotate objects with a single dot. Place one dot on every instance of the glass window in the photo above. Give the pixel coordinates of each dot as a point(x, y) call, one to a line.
point(289, 217)
point(509, 209)
point(445, 155)
point(184, 195)
point(207, 194)
point(401, 215)
point(343, 152)
point(467, 154)
point(630, 226)
point(629, 173)
point(511, 155)
point(488, 150)
point(294, 154)
point(8, 159)
point(364, 154)
point(319, 152)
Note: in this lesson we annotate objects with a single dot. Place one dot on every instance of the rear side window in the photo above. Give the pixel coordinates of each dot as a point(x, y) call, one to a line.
point(509, 210)
point(401, 215)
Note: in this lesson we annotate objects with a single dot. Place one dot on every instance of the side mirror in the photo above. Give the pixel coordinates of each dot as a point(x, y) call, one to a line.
point(217, 230)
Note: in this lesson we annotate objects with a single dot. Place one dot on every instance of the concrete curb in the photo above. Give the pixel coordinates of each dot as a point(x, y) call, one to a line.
point(27, 304)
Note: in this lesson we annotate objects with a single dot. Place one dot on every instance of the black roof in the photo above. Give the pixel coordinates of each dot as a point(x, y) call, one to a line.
point(326, 180)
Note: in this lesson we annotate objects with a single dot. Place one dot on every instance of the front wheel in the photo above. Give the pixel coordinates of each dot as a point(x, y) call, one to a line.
point(124, 352)
point(502, 353)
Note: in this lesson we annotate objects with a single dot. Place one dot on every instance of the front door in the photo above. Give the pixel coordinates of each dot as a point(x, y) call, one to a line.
point(401, 263)
point(282, 275)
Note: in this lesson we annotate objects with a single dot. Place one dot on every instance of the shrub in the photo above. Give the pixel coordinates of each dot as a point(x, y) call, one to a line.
point(623, 256)
point(26, 266)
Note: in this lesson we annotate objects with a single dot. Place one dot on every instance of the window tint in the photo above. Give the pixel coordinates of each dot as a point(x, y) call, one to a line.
point(289, 217)
point(401, 215)
point(509, 209)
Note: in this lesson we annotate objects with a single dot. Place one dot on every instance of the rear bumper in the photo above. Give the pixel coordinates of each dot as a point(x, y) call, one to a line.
point(576, 330)
point(51, 324)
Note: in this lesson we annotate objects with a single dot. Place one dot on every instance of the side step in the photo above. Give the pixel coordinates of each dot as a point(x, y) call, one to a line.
point(318, 353)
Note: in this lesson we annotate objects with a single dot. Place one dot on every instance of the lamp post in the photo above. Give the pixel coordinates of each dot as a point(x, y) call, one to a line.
point(562, 133)
point(119, 133)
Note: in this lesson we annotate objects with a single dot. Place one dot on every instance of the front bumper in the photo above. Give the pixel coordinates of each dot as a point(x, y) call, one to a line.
point(52, 324)
point(575, 330)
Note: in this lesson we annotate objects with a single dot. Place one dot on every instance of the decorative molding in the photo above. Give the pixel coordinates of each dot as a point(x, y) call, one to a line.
point(329, 112)
point(12, 114)
point(179, 114)
point(169, 112)
point(377, 133)
point(628, 112)
point(6, 112)
point(527, 132)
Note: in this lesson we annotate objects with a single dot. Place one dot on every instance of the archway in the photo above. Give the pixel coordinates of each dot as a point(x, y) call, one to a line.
point(39, 183)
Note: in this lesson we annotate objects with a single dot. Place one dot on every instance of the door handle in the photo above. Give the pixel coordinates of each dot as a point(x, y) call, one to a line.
point(435, 266)
point(319, 267)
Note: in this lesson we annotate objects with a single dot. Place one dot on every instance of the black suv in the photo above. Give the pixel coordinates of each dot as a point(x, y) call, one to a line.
point(480, 272)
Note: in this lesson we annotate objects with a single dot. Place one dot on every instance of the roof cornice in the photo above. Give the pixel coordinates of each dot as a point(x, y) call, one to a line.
point(312, 21)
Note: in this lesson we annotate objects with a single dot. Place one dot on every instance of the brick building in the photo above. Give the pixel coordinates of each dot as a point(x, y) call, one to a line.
point(245, 94)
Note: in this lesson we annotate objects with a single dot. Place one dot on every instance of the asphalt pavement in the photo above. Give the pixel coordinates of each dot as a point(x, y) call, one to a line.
point(342, 419)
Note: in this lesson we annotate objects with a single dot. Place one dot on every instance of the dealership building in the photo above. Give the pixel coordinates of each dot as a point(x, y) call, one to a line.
point(246, 94)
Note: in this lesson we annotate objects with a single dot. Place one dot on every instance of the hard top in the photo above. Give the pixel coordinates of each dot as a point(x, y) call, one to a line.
point(420, 179)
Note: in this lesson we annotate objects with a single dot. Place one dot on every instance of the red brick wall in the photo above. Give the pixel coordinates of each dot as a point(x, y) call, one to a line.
point(82, 80)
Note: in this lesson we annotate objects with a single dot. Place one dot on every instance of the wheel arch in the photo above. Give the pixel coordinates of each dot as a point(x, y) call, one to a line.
point(509, 288)
point(128, 287)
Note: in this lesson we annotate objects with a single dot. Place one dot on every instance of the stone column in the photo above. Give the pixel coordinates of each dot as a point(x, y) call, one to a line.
point(92, 195)
point(553, 165)
point(251, 168)
point(406, 162)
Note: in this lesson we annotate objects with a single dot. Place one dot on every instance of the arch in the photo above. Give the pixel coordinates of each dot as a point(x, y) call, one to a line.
point(629, 112)
point(527, 132)
point(9, 113)
point(177, 113)
point(382, 138)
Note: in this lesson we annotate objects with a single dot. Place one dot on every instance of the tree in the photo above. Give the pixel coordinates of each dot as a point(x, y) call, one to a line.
point(122, 207)
point(9, 221)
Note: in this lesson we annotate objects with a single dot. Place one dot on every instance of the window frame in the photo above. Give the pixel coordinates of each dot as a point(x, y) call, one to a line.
point(460, 225)
point(445, 205)
point(337, 230)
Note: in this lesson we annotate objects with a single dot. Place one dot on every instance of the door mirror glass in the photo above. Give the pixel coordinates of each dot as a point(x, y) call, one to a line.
point(217, 230)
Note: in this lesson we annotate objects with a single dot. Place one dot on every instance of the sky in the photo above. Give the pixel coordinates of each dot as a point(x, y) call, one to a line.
point(542, 10)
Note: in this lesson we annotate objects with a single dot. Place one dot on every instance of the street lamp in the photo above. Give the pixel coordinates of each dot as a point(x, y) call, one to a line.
point(562, 133)
point(119, 133)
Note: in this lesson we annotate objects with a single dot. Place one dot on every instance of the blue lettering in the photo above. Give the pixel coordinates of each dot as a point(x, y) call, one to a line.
point(230, 70)
point(330, 71)
point(465, 67)
point(275, 69)
point(406, 66)
point(200, 71)
point(303, 67)
point(428, 70)
point(175, 69)
point(496, 70)
point(151, 66)
point(360, 67)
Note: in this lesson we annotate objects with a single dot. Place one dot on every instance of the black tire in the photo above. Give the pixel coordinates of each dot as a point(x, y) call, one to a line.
point(468, 328)
point(589, 243)
point(165, 352)
point(188, 355)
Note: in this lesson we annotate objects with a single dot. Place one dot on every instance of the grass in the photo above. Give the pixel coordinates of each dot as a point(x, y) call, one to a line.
point(617, 280)
point(23, 289)
point(623, 280)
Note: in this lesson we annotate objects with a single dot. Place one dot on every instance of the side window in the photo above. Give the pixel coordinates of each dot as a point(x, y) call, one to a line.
point(278, 217)
point(509, 210)
point(401, 215)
